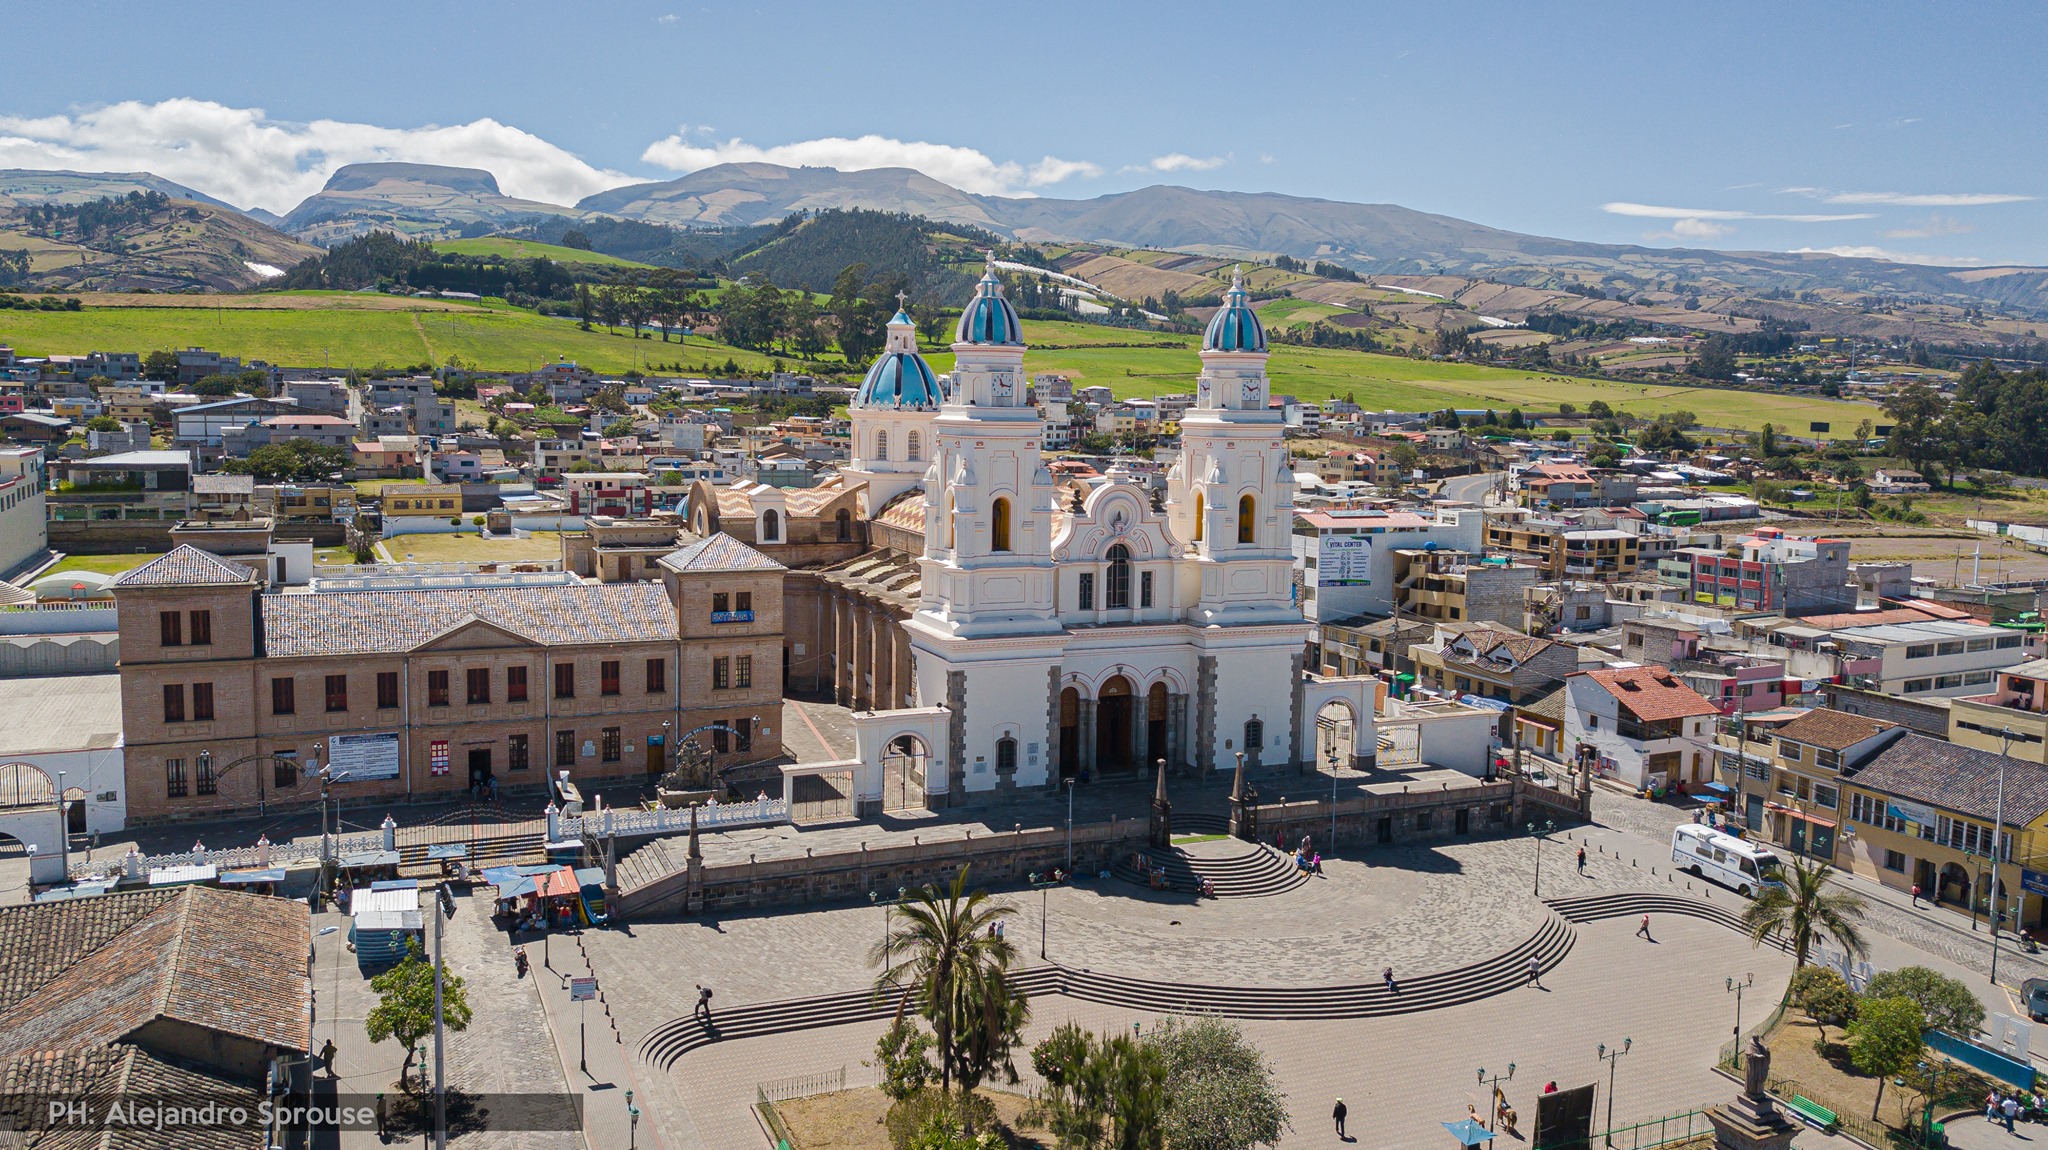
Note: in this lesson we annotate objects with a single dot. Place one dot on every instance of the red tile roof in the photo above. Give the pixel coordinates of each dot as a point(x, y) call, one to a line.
point(1651, 693)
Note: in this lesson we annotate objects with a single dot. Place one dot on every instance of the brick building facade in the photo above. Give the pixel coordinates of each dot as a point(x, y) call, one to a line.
point(443, 686)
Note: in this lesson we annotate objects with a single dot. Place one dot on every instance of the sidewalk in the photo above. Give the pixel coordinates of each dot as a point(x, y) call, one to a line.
point(593, 1055)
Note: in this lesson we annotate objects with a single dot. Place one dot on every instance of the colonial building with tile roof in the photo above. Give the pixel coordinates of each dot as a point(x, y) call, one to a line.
point(1639, 725)
point(192, 992)
point(231, 696)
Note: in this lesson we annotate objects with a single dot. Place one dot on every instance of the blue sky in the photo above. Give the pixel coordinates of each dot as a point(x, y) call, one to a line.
point(1911, 129)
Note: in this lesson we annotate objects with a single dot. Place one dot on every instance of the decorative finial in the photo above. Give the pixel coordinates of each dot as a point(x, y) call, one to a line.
point(989, 266)
point(900, 298)
point(1237, 277)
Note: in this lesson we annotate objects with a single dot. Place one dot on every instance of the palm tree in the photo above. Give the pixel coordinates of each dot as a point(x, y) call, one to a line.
point(957, 972)
point(1806, 911)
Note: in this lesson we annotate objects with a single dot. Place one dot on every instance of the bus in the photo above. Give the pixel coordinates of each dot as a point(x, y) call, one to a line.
point(1704, 852)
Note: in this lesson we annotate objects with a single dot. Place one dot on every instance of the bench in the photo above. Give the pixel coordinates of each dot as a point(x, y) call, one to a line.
point(1814, 1114)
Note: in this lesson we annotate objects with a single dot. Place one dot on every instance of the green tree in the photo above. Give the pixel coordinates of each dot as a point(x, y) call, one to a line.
point(1106, 1092)
point(1598, 409)
point(160, 365)
point(295, 459)
point(216, 385)
point(1885, 1040)
point(959, 978)
point(1824, 995)
point(1219, 1089)
point(1945, 1001)
point(1715, 360)
point(405, 1003)
point(1916, 411)
point(1804, 911)
point(103, 423)
point(1767, 441)
point(903, 1056)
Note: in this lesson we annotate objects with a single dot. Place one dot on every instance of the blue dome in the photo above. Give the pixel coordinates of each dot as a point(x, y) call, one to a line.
point(899, 379)
point(1235, 326)
point(989, 318)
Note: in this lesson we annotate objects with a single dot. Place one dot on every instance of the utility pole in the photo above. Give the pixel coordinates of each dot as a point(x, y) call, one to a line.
point(440, 1085)
point(2005, 735)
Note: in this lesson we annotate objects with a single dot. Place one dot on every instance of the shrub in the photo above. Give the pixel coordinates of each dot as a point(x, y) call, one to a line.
point(914, 1122)
point(476, 520)
point(455, 520)
point(1824, 995)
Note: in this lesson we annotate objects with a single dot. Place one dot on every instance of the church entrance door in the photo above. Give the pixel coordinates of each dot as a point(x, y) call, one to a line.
point(1113, 716)
point(1155, 721)
point(1070, 733)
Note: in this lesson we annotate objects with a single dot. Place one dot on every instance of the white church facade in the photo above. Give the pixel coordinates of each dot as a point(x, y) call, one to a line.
point(1077, 629)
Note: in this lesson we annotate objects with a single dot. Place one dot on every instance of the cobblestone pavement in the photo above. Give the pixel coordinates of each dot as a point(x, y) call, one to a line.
point(505, 1050)
point(1400, 1076)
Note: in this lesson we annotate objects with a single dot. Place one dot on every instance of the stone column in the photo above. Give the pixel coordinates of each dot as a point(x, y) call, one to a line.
point(1086, 732)
point(1052, 730)
point(1177, 732)
point(956, 738)
point(1296, 672)
point(1205, 714)
point(1141, 729)
point(842, 649)
point(858, 686)
point(884, 660)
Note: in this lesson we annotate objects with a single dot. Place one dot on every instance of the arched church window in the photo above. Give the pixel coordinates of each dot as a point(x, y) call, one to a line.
point(949, 521)
point(882, 444)
point(1246, 520)
point(844, 521)
point(914, 448)
point(999, 530)
point(771, 526)
point(1254, 735)
point(1201, 515)
point(1117, 590)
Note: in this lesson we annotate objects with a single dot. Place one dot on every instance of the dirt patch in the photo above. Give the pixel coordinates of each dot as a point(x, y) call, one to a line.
point(852, 1120)
point(1798, 1068)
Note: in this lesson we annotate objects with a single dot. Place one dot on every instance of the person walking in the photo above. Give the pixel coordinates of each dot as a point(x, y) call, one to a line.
point(327, 1059)
point(1535, 971)
point(2009, 1109)
point(1388, 975)
point(1582, 860)
point(1643, 931)
point(1339, 1114)
point(1916, 896)
point(703, 1009)
point(383, 1118)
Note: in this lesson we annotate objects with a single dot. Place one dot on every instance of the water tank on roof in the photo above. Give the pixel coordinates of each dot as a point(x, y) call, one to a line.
point(1429, 546)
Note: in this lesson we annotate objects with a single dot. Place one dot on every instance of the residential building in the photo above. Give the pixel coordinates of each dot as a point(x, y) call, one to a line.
point(1937, 658)
point(203, 423)
point(1563, 549)
point(224, 497)
point(1441, 585)
point(1798, 805)
point(2012, 719)
point(1639, 725)
point(128, 485)
point(196, 363)
point(1563, 486)
point(1346, 556)
point(34, 427)
point(326, 430)
point(24, 507)
point(1923, 812)
point(1379, 647)
point(1898, 481)
point(439, 500)
point(1490, 662)
point(623, 494)
point(1773, 571)
point(617, 550)
point(386, 457)
point(594, 680)
point(320, 396)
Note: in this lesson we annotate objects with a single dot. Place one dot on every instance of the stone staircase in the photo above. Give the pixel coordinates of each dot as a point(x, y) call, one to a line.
point(1236, 869)
point(1635, 904)
point(1502, 972)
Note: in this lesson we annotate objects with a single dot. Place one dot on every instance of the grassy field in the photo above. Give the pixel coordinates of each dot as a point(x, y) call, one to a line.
point(508, 248)
point(1378, 382)
point(466, 548)
point(342, 336)
point(102, 564)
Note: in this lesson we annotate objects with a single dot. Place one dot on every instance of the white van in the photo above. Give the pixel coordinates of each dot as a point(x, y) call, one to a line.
point(1710, 854)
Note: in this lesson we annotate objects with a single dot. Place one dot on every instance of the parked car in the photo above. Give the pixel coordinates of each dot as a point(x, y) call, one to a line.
point(2034, 992)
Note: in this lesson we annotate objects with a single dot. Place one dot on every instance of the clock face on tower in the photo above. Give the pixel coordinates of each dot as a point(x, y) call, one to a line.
point(1000, 383)
point(1250, 392)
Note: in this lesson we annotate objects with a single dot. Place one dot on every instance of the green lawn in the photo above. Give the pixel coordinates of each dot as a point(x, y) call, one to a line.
point(494, 337)
point(101, 564)
point(467, 548)
point(528, 250)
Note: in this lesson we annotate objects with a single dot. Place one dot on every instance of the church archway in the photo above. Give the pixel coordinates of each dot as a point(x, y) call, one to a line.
point(1336, 733)
point(1115, 711)
point(1155, 721)
point(903, 774)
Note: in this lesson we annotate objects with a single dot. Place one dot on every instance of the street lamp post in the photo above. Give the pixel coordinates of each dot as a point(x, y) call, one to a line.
point(1548, 826)
point(1493, 1095)
point(2005, 737)
point(1738, 988)
point(633, 1123)
point(1611, 1057)
point(1333, 790)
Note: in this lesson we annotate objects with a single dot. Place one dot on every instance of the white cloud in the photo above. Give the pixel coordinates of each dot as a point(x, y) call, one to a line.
point(1692, 230)
point(1182, 162)
point(243, 156)
point(1909, 199)
point(668, 18)
point(964, 168)
point(1266, 157)
point(1872, 252)
point(1936, 224)
point(1659, 212)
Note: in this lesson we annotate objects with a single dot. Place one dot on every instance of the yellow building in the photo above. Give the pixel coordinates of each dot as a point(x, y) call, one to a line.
point(1920, 814)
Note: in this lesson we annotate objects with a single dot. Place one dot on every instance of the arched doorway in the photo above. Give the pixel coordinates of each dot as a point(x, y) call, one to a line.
point(1070, 733)
point(1336, 734)
point(903, 766)
point(1955, 885)
point(1155, 721)
point(1113, 717)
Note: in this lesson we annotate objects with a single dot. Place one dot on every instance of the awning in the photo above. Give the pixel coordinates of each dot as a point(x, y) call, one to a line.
point(560, 884)
point(370, 858)
point(1799, 814)
point(251, 877)
point(1718, 788)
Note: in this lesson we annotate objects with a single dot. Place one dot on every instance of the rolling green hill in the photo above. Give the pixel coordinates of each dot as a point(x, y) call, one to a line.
point(504, 247)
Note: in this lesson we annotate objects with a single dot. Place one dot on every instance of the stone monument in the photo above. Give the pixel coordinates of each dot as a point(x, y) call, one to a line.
point(1752, 1121)
point(1161, 833)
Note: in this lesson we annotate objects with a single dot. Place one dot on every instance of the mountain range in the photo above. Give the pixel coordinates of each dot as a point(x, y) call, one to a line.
point(431, 201)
